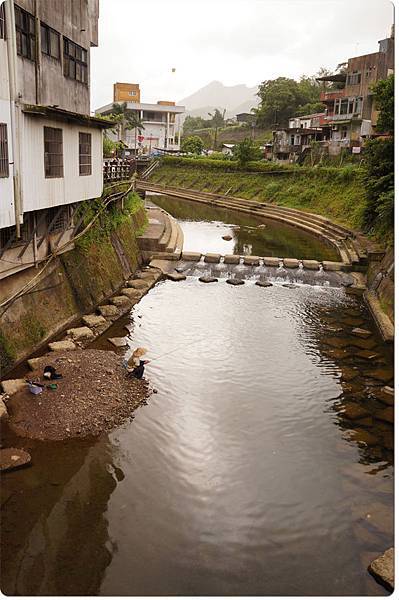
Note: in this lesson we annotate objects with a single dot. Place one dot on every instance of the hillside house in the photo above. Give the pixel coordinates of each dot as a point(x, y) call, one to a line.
point(50, 148)
point(351, 112)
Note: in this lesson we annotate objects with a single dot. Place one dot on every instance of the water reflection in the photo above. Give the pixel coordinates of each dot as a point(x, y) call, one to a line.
point(54, 527)
point(243, 475)
point(204, 227)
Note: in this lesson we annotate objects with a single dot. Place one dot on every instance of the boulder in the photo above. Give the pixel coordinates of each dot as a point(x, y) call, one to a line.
point(3, 411)
point(261, 283)
point(118, 342)
point(176, 276)
point(108, 310)
point(291, 263)
point(290, 286)
point(93, 320)
point(34, 363)
point(12, 458)
point(131, 293)
point(138, 284)
point(354, 411)
point(191, 256)
point(271, 261)
point(251, 260)
point(235, 281)
point(212, 258)
point(120, 300)
point(382, 568)
point(314, 265)
point(12, 386)
point(386, 414)
point(208, 279)
point(62, 346)
point(231, 259)
point(363, 333)
point(227, 238)
point(80, 333)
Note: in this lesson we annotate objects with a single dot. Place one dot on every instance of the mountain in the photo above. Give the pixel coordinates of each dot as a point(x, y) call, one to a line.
point(235, 99)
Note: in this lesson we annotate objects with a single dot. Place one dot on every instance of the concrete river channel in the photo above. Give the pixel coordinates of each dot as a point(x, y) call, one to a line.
point(263, 465)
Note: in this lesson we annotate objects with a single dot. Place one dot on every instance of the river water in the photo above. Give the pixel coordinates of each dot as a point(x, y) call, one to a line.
point(262, 465)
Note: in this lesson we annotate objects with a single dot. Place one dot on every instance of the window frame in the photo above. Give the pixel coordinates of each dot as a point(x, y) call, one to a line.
point(75, 59)
point(51, 163)
point(2, 20)
point(48, 32)
point(4, 154)
point(25, 30)
point(85, 158)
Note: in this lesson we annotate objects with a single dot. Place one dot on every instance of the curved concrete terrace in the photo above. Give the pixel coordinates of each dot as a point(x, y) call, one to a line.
point(352, 247)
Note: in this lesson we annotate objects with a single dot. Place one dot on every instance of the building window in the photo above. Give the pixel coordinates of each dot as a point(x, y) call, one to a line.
point(131, 93)
point(25, 33)
point(343, 110)
point(344, 133)
point(53, 155)
point(4, 164)
point(2, 22)
point(84, 153)
point(358, 105)
point(75, 61)
point(50, 41)
point(354, 79)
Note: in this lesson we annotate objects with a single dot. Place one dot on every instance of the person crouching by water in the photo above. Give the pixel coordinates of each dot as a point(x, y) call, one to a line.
point(135, 365)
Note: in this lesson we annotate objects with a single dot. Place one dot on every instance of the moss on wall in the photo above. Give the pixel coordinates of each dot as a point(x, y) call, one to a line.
point(73, 283)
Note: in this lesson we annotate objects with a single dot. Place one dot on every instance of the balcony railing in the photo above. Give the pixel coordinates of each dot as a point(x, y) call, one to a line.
point(346, 117)
point(117, 169)
point(333, 95)
point(287, 148)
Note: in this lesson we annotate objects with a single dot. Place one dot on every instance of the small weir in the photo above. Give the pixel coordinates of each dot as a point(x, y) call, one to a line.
point(278, 275)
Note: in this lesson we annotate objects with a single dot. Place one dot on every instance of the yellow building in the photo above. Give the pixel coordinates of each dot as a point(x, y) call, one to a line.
point(126, 92)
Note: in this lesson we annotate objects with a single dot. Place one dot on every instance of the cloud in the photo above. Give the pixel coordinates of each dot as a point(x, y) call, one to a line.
point(233, 41)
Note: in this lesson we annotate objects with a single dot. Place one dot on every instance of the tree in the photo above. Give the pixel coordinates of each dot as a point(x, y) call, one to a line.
point(379, 165)
point(279, 100)
point(126, 120)
point(217, 121)
point(246, 151)
point(384, 91)
point(192, 124)
point(192, 144)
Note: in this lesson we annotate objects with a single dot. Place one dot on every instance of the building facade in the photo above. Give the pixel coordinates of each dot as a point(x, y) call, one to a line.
point(351, 111)
point(161, 122)
point(350, 116)
point(50, 148)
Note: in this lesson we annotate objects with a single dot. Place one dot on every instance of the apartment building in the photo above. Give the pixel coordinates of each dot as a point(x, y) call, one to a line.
point(161, 121)
point(50, 147)
point(351, 111)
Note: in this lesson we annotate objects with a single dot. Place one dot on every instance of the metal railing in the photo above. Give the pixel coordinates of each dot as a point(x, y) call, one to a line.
point(117, 169)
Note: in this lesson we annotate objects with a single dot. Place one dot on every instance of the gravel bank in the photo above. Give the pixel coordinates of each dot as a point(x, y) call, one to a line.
point(93, 397)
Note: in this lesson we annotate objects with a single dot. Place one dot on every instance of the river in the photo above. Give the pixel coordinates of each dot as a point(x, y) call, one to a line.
point(246, 473)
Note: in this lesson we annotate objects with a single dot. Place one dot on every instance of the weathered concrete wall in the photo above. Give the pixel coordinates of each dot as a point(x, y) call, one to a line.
point(71, 285)
point(380, 279)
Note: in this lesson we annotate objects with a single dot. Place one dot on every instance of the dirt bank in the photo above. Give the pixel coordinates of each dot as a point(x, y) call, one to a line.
point(93, 397)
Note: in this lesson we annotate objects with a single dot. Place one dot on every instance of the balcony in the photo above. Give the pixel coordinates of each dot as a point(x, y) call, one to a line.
point(331, 96)
point(346, 117)
point(287, 148)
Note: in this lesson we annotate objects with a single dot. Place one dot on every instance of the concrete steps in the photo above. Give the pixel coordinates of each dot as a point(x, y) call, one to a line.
point(340, 237)
point(163, 234)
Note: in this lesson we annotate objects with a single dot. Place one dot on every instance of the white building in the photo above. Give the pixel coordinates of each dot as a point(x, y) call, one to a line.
point(50, 148)
point(162, 126)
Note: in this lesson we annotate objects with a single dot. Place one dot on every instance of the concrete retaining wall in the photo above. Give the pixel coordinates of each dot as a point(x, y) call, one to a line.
point(72, 284)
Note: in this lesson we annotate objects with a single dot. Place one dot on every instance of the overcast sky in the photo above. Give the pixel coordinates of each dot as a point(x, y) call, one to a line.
point(232, 41)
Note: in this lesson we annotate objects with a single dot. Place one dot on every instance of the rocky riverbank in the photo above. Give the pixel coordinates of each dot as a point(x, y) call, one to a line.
point(94, 396)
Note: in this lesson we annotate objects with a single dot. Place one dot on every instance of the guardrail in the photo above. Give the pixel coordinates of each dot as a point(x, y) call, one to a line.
point(117, 169)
